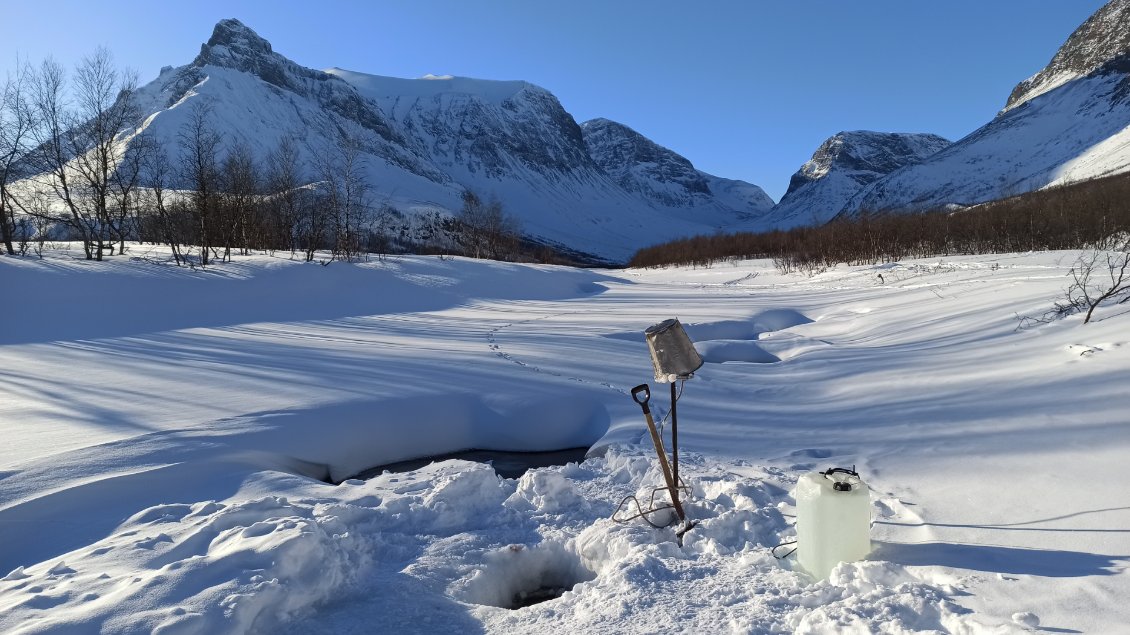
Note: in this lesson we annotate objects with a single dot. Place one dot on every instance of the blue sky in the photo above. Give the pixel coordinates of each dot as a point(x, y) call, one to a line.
point(744, 89)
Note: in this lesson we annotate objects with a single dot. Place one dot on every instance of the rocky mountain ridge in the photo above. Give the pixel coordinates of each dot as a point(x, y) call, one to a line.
point(843, 165)
point(1103, 37)
point(640, 165)
point(1069, 122)
point(427, 140)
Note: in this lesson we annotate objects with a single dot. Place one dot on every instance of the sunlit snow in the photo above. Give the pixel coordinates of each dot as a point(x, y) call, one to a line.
point(175, 444)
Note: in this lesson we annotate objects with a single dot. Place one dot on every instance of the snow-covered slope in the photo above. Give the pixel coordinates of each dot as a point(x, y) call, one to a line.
point(1104, 36)
point(843, 165)
point(168, 433)
point(426, 140)
point(667, 179)
point(1070, 122)
point(739, 195)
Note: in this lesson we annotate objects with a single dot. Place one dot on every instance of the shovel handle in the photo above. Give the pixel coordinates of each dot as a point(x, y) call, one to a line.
point(642, 389)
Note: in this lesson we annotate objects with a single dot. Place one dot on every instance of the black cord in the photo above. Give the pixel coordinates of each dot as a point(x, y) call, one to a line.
point(652, 506)
point(663, 422)
point(849, 482)
point(783, 544)
point(641, 512)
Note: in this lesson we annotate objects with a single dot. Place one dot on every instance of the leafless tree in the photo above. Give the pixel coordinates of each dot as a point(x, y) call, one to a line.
point(1097, 277)
point(36, 223)
point(17, 123)
point(199, 170)
point(125, 190)
point(167, 215)
point(52, 152)
point(488, 232)
point(79, 144)
point(311, 208)
point(287, 199)
point(345, 194)
point(239, 201)
point(105, 108)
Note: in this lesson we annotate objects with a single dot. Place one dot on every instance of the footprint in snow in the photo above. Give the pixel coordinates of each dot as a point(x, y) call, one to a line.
point(1083, 350)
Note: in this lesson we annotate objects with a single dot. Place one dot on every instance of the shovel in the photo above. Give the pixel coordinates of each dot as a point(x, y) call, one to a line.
point(642, 394)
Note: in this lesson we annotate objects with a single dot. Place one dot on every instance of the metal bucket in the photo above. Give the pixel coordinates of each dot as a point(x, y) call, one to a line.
point(672, 352)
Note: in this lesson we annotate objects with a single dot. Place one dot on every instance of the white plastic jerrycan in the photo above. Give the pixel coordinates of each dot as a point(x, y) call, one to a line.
point(833, 520)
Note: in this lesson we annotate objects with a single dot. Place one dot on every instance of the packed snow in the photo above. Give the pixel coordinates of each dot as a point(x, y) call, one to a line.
point(180, 446)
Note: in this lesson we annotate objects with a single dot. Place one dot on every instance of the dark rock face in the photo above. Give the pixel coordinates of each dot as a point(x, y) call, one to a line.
point(865, 156)
point(527, 131)
point(235, 46)
point(541, 135)
point(639, 164)
point(844, 165)
point(1104, 37)
point(1067, 123)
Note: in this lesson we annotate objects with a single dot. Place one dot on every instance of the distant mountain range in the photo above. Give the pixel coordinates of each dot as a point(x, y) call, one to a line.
point(601, 188)
point(1070, 122)
point(598, 188)
point(842, 166)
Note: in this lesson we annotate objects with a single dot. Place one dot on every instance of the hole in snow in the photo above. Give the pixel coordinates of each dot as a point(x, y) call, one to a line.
point(517, 576)
point(505, 464)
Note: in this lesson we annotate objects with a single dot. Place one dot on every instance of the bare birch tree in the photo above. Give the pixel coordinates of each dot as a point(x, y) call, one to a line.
point(17, 124)
point(79, 141)
point(199, 171)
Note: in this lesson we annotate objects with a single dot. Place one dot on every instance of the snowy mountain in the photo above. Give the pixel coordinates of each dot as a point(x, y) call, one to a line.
point(842, 166)
point(427, 140)
point(667, 179)
point(1070, 122)
point(1104, 36)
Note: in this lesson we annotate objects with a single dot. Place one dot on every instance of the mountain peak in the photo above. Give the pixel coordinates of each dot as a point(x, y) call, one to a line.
point(866, 155)
point(622, 152)
point(846, 163)
point(1102, 38)
point(236, 46)
point(236, 40)
point(665, 177)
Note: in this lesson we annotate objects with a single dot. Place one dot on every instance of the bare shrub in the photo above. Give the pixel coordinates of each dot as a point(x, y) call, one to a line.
point(1097, 278)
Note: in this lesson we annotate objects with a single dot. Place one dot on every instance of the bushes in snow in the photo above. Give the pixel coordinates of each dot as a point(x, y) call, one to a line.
point(1075, 216)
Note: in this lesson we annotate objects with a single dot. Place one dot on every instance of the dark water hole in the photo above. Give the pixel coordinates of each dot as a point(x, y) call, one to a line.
point(505, 464)
point(537, 596)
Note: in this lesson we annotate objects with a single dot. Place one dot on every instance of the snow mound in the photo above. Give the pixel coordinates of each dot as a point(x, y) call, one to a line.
point(206, 567)
point(167, 471)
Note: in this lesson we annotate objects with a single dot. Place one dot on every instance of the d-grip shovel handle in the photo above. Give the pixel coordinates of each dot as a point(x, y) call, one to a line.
point(645, 390)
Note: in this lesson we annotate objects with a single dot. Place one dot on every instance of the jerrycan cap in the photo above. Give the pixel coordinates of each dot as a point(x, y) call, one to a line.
point(843, 479)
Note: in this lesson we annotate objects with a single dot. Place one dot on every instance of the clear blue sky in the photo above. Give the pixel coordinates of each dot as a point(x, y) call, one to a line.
point(744, 89)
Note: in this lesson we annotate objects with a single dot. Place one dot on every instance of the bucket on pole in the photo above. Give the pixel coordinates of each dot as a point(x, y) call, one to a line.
point(673, 355)
point(674, 360)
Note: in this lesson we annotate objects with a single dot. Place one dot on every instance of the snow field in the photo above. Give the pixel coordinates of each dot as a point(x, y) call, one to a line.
point(167, 470)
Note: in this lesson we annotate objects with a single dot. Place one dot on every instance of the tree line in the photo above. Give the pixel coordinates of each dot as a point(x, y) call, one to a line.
point(1088, 214)
point(77, 162)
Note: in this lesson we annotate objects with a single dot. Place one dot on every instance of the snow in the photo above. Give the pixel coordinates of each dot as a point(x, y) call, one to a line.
point(389, 89)
point(1102, 37)
point(843, 165)
point(178, 447)
point(425, 141)
point(1074, 133)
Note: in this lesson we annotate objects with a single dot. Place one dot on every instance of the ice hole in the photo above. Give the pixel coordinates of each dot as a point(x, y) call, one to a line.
point(505, 464)
point(518, 576)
